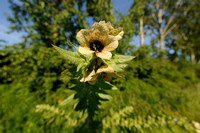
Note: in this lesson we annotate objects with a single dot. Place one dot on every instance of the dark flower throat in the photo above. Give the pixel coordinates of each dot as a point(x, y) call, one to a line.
point(96, 46)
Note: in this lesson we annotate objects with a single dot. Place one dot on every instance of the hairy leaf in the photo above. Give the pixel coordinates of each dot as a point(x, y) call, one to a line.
point(72, 57)
point(122, 58)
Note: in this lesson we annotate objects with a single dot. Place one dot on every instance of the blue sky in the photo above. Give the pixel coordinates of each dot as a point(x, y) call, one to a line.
point(4, 24)
point(120, 5)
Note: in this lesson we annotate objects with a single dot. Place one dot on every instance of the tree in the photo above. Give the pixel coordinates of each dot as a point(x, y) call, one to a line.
point(49, 22)
point(100, 10)
point(165, 17)
point(138, 13)
point(127, 24)
point(187, 37)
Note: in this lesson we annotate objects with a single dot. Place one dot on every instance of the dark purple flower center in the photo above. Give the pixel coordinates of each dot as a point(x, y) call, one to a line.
point(96, 46)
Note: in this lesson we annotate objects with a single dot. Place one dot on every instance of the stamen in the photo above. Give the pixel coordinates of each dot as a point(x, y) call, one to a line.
point(96, 46)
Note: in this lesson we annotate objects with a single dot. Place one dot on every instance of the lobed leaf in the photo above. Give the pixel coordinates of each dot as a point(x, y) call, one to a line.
point(122, 58)
point(72, 57)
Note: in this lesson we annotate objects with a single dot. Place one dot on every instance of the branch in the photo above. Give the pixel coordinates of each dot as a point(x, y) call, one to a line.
point(169, 22)
point(186, 11)
point(154, 17)
point(157, 4)
point(160, 15)
point(172, 17)
point(178, 3)
point(166, 1)
point(170, 29)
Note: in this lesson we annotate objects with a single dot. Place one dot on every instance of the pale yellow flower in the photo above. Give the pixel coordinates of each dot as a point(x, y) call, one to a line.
point(89, 77)
point(197, 126)
point(102, 39)
point(107, 73)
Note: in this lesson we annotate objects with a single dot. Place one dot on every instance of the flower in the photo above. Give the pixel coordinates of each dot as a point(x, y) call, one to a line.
point(102, 39)
point(89, 77)
point(107, 73)
point(197, 126)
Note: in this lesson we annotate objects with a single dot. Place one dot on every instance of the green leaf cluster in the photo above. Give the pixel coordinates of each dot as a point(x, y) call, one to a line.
point(125, 121)
point(119, 62)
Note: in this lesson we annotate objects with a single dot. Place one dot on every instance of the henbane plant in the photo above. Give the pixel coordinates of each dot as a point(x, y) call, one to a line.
point(95, 65)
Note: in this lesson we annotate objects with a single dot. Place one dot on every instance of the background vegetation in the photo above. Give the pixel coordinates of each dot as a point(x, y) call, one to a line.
point(159, 92)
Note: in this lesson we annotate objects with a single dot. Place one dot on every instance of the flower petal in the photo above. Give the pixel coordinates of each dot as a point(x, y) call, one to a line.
point(111, 43)
point(106, 69)
point(85, 50)
point(107, 73)
point(97, 35)
point(93, 80)
point(101, 26)
point(119, 36)
point(108, 76)
point(83, 36)
point(104, 55)
point(88, 76)
point(118, 33)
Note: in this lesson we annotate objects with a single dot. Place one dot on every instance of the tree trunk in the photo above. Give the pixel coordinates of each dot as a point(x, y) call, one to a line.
point(162, 38)
point(193, 57)
point(141, 32)
point(56, 30)
point(161, 33)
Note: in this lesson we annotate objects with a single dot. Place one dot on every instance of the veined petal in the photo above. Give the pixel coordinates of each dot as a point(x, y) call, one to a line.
point(107, 73)
point(82, 37)
point(119, 36)
point(108, 76)
point(88, 76)
point(101, 26)
point(104, 55)
point(111, 43)
point(93, 80)
point(85, 50)
point(106, 69)
point(97, 35)
point(118, 33)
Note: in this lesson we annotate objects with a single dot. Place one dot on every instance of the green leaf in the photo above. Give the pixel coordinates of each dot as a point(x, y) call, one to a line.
point(72, 57)
point(105, 96)
point(103, 84)
point(71, 44)
point(122, 58)
point(68, 100)
point(80, 66)
point(116, 67)
point(118, 62)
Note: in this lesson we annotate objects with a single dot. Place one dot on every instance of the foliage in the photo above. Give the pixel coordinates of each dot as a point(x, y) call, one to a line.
point(40, 89)
point(95, 8)
point(123, 121)
point(151, 88)
point(89, 94)
point(55, 21)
